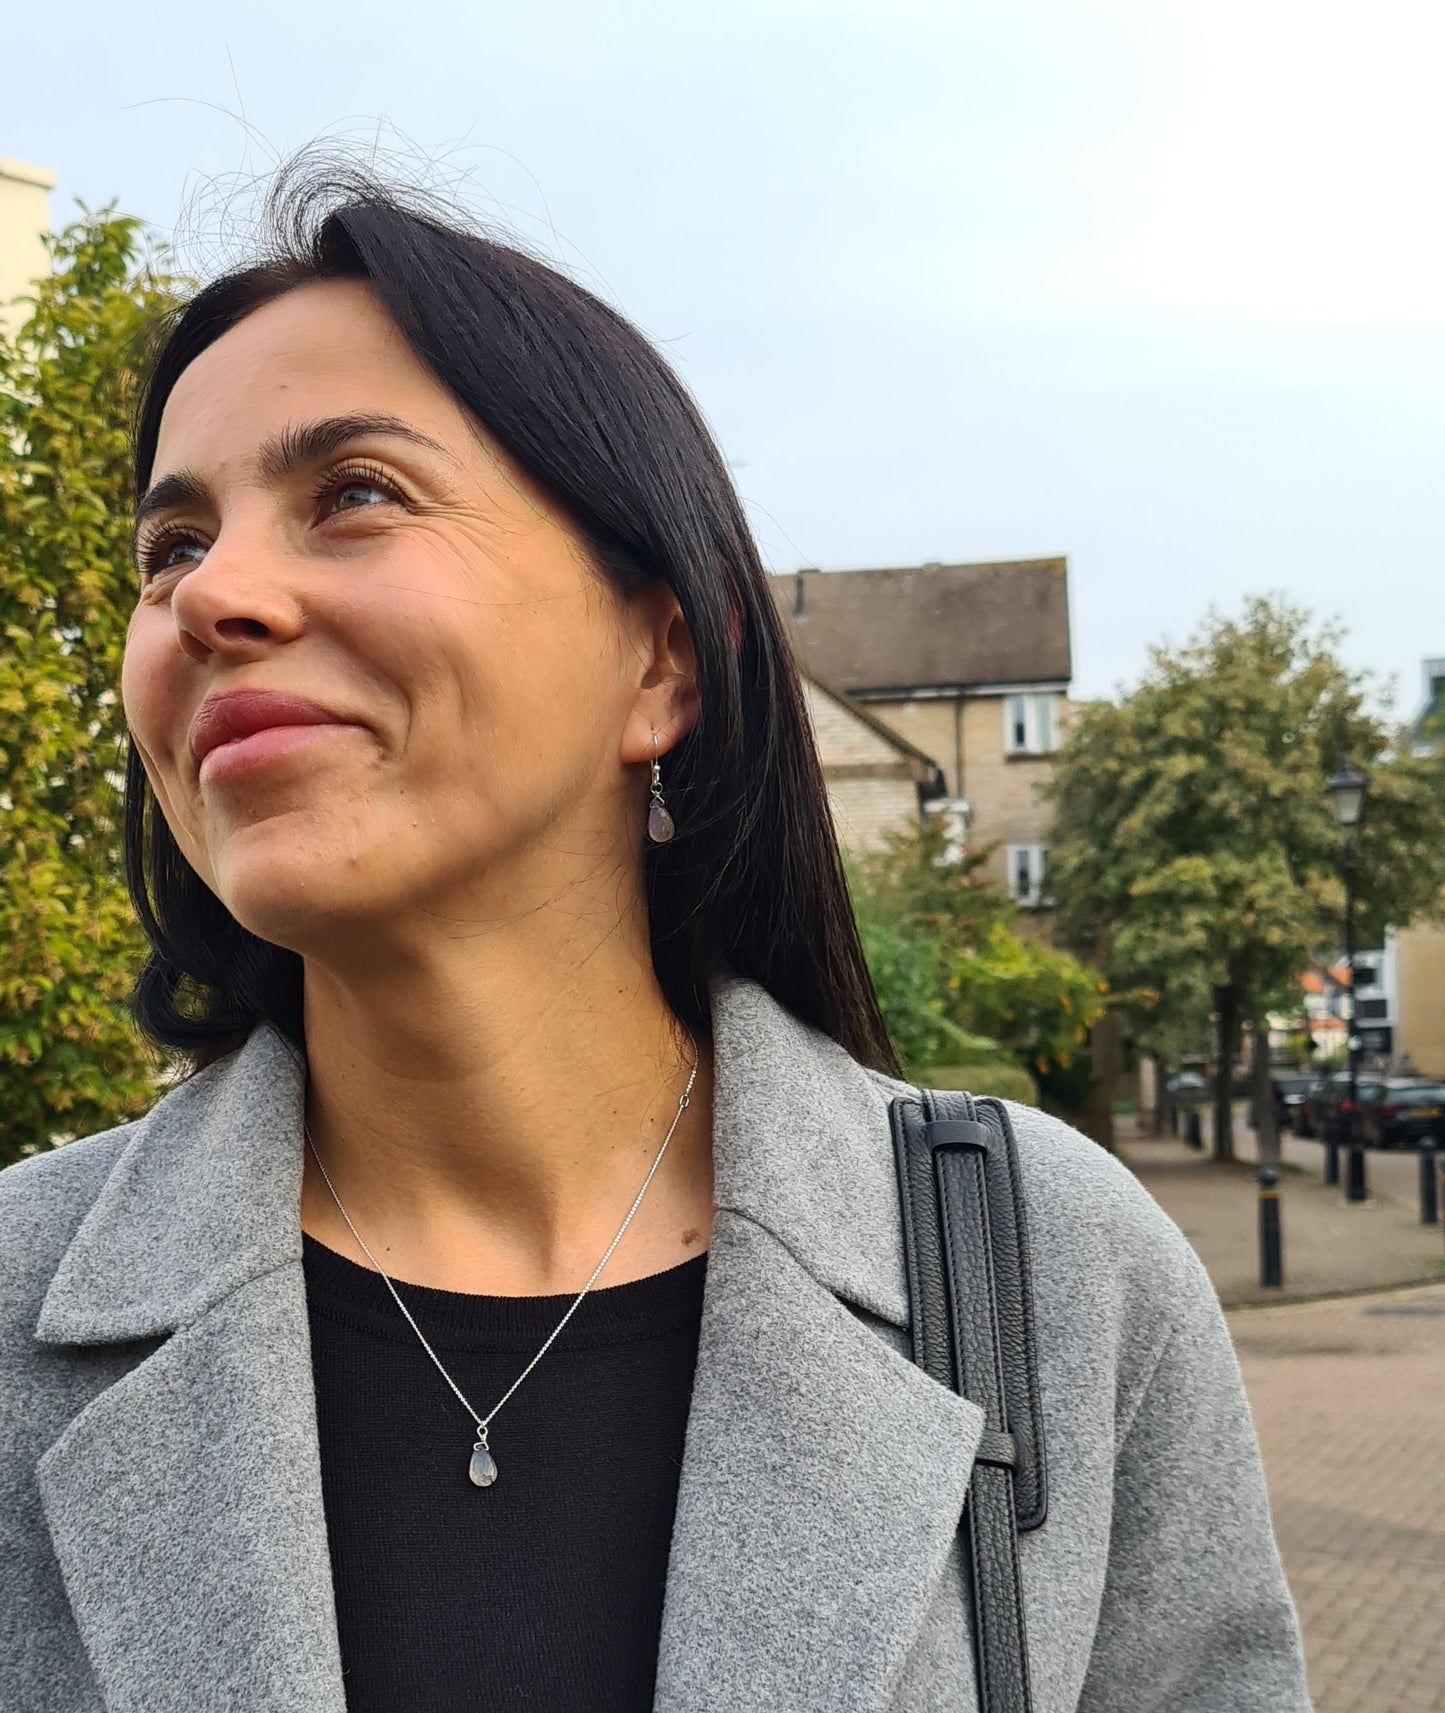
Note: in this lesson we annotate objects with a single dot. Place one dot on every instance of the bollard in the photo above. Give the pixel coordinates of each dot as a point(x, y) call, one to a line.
point(1173, 1117)
point(1332, 1160)
point(1355, 1187)
point(1429, 1198)
point(1193, 1135)
point(1271, 1245)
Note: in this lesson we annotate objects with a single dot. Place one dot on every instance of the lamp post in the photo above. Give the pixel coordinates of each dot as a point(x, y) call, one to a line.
point(1347, 792)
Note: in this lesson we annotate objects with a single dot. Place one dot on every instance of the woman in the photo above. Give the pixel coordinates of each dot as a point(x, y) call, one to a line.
point(512, 1310)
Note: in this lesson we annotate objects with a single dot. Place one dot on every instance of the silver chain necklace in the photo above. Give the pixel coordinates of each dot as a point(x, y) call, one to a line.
point(483, 1466)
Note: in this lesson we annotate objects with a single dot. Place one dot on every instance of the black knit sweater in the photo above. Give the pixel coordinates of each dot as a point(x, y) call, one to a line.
point(543, 1591)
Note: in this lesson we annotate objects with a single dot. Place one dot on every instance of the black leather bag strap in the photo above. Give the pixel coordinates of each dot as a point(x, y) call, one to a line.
point(973, 1329)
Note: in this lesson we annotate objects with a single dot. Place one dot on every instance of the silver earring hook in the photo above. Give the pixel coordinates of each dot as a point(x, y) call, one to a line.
point(660, 825)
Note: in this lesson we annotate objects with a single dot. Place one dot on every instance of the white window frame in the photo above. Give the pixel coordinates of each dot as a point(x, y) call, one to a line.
point(1036, 711)
point(1026, 866)
point(955, 813)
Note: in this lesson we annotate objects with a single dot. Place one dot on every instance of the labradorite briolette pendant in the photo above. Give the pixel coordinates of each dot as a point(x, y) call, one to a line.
point(659, 824)
point(483, 1467)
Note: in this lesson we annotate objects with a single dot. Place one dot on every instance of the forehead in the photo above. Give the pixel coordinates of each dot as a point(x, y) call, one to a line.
point(321, 350)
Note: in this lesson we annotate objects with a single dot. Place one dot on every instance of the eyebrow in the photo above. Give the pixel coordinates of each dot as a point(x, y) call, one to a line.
point(282, 455)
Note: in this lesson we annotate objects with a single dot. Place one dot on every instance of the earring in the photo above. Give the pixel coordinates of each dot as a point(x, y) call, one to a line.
point(659, 822)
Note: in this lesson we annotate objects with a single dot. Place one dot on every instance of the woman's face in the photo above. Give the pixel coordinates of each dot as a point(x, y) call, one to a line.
point(371, 673)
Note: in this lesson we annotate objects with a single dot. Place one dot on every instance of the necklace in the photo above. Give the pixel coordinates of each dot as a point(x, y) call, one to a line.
point(482, 1468)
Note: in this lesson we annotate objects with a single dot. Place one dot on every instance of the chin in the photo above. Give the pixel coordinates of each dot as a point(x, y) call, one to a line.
point(302, 891)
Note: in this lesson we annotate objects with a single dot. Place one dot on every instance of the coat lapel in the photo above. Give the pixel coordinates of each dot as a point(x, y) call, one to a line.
point(184, 1501)
point(824, 1473)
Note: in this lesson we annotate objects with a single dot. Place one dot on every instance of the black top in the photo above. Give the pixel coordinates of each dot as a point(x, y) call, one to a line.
point(543, 1591)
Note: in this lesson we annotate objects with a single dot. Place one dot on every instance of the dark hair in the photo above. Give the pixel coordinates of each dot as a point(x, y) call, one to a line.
point(580, 399)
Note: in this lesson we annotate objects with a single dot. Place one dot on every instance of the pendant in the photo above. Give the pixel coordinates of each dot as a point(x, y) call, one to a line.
point(660, 826)
point(483, 1467)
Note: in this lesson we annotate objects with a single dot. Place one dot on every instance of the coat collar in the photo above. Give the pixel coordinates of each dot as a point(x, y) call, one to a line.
point(204, 1198)
point(205, 1195)
point(823, 1472)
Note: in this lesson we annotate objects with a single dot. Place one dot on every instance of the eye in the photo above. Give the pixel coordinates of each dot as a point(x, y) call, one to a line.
point(354, 494)
point(356, 490)
point(168, 550)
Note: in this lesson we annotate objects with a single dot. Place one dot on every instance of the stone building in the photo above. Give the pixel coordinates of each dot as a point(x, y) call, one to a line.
point(969, 665)
point(24, 219)
point(876, 780)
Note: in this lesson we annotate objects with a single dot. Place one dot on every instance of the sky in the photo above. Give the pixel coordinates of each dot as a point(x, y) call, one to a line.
point(1155, 284)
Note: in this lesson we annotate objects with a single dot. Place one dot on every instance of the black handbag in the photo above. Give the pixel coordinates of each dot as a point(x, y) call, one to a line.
point(973, 1330)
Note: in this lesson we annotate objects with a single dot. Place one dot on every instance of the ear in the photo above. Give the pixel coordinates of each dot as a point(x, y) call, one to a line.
point(667, 700)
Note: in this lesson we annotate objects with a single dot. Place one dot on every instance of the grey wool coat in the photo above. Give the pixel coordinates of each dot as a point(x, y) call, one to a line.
point(162, 1537)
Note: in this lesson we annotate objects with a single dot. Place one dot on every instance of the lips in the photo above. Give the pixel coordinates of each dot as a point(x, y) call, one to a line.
point(241, 714)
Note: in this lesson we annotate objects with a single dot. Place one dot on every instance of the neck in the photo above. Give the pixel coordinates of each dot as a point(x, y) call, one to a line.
point(488, 1117)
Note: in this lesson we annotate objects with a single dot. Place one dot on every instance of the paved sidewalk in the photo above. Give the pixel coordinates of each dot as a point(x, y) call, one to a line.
point(1349, 1399)
point(1331, 1246)
point(1348, 1394)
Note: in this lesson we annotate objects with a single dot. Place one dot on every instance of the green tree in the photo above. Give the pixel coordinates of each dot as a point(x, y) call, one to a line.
point(954, 976)
point(70, 1060)
point(1194, 853)
point(1431, 728)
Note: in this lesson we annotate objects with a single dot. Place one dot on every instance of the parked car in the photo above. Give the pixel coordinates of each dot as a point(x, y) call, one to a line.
point(1330, 1107)
point(1187, 1087)
point(1290, 1095)
point(1303, 1118)
point(1311, 1113)
point(1402, 1110)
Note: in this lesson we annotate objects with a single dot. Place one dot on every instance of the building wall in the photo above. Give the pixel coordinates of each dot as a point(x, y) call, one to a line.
point(24, 218)
point(864, 810)
point(1000, 787)
point(1420, 986)
point(927, 723)
point(871, 787)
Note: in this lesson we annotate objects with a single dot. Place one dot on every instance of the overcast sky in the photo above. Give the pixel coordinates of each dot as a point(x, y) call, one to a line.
point(1158, 284)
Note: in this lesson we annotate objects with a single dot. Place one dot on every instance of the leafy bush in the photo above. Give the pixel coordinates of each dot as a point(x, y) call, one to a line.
point(911, 978)
point(956, 981)
point(70, 1059)
point(1003, 1079)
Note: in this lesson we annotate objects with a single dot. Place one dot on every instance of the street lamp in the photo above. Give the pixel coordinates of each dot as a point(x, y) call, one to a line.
point(1347, 792)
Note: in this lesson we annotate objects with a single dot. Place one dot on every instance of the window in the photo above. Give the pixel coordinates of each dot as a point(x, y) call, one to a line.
point(954, 812)
point(1029, 725)
point(1026, 875)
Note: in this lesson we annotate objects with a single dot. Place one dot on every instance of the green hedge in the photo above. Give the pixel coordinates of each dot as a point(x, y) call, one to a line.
point(1002, 1078)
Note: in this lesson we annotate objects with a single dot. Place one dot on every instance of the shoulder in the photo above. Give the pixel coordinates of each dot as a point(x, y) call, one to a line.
point(44, 1199)
point(1112, 1268)
point(1115, 1280)
point(1082, 1204)
point(1087, 1208)
point(136, 1169)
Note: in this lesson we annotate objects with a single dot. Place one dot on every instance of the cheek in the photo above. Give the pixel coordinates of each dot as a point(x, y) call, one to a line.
point(145, 690)
point(536, 689)
point(154, 716)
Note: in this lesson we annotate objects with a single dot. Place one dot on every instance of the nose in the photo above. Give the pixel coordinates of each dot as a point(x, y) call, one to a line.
point(239, 602)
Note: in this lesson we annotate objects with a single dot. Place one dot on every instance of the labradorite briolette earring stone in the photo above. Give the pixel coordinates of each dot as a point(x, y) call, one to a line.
point(659, 824)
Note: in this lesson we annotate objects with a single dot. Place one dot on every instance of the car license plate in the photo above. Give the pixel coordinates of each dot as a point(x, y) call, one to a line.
point(1426, 1112)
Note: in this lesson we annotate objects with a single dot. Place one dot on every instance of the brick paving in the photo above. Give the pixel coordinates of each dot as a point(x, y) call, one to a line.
point(1348, 1394)
point(1349, 1399)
